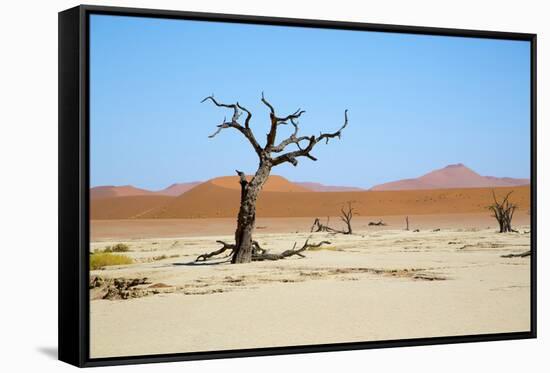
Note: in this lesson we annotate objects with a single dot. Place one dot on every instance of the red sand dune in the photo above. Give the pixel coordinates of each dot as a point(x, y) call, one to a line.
point(220, 198)
point(109, 191)
point(128, 207)
point(318, 187)
point(452, 176)
point(274, 183)
point(178, 188)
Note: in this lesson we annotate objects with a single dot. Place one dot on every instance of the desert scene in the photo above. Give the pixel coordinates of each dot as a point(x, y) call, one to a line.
point(398, 206)
point(450, 273)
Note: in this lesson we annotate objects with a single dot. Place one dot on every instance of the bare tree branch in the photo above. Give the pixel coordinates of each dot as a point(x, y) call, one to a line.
point(248, 115)
point(292, 116)
point(236, 113)
point(242, 177)
point(246, 131)
point(312, 141)
point(276, 121)
point(288, 253)
point(520, 255)
point(226, 246)
point(292, 139)
point(338, 133)
point(271, 109)
point(260, 254)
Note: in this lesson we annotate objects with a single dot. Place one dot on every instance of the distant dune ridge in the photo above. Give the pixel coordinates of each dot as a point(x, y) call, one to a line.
point(274, 183)
point(452, 176)
point(318, 187)
point(212, 200)
point(109, 191)
point(178, 188)
point(453, 189)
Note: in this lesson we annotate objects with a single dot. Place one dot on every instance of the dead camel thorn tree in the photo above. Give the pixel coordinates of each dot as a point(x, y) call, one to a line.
point(346, 216)
point(269, 156)
point(320, 227)
point(504, 212)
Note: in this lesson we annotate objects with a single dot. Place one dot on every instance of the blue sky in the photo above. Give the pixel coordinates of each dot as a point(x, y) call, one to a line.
point(416, 102)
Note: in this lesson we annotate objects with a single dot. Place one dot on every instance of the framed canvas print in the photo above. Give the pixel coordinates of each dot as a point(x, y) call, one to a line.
point(237, 186)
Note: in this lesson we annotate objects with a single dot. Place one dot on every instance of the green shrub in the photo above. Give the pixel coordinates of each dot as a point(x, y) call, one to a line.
point(99, 260)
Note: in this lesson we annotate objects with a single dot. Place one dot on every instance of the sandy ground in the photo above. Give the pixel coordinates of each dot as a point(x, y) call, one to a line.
point(378, 284)
point(132, 229)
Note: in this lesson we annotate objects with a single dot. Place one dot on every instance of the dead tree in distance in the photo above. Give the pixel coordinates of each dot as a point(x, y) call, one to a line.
point(270, 155)
point(320, 227)
point(347, 215)
point(504, 212)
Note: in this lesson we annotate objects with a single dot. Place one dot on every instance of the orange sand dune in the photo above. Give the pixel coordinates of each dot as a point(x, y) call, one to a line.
point(109, 191)
point(218, 198)
point(452, 176)
point(273, 184)
point(318, 187)
point(127, 207)
point(178, 188)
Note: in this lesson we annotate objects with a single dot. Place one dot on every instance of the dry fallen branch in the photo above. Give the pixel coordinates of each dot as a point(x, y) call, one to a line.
point(225, 247)
point(378, 223)
point(320, 227)
point(522, 255)
point(260, 254)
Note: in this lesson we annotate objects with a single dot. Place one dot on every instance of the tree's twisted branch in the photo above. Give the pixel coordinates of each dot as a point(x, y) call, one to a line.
point(260, 254)
point(226, 246)
point(305, 144)
point(312, 141)
point(245, 130)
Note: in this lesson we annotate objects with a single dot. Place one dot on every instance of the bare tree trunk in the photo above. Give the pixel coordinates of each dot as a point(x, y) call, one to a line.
point(246, 219)
point(503, 212)
point(270, 155)
point(346, 217)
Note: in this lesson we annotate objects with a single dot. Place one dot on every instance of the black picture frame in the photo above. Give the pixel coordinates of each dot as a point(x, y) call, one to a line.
point(74, 230)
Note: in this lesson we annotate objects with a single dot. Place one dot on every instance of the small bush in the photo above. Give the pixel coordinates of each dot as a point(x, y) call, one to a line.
point(118, 248)
point(99, 260)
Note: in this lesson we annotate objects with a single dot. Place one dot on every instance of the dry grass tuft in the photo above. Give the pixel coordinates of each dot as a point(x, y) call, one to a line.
point(98, 260)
